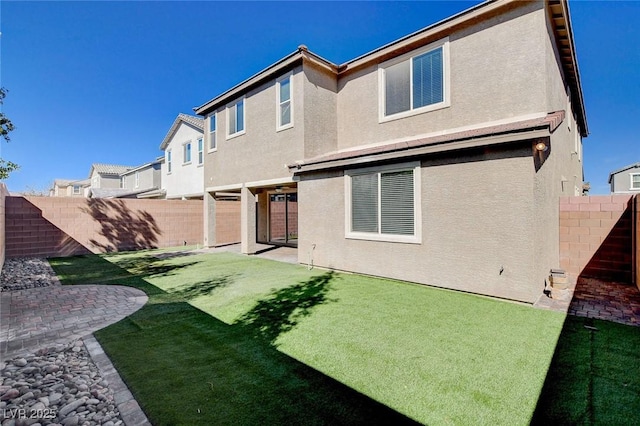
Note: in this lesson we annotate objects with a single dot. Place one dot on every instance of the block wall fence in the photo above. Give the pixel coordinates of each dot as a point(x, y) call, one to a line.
point(51, 226)
point(4, 193)
point(636, 213)
point(599, 237)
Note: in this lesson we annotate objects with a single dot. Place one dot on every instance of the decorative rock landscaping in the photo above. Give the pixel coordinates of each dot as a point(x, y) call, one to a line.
point(56, 386)
point(23, 273)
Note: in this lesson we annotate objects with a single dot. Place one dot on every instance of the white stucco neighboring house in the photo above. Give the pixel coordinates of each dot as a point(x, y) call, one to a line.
point(105, 180)
point(625, 180)
point(184, 151)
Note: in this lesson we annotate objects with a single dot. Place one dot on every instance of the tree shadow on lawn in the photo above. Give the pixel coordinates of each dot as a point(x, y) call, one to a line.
point(186, 367)
point(281, 311)
point(202, 288)
point(594, 377)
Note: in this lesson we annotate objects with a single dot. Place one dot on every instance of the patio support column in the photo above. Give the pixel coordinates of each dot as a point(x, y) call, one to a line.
point(209, 206)
point(248, 221)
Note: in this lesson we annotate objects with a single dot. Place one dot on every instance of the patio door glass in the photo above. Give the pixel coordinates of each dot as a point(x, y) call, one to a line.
point(283, 218)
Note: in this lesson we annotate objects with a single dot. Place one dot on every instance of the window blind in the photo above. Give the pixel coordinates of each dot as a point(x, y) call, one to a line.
point(364, 203)
point(396, 203)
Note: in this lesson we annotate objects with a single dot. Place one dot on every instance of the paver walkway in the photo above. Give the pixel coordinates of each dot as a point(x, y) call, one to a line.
point(606, 300)
point(40, 317)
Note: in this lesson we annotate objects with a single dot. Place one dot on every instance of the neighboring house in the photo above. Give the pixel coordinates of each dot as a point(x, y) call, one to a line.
point(625, 180)
point(105, 179)
point(438, 158)
point(184, 152)
point(144, 181)
point(69, 188)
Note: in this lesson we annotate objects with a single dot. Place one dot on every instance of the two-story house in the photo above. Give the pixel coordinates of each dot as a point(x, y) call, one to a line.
point(69, 188)
point(438, 158)
point(144, 181)
point(625, 180)
point(184, 153)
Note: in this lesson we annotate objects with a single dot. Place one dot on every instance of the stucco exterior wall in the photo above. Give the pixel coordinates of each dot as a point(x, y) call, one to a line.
point(497, 71)
point(262, 152)
point(149, 178)
point(184, 179)
point(621, 182)
point(478, 227)
point(320, 112)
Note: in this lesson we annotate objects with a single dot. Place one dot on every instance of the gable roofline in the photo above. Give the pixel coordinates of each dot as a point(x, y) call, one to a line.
point(193, 121)
point(108, 169)
point(623, 169)
point(143, 166)
point(558, 11)
point(301, 55)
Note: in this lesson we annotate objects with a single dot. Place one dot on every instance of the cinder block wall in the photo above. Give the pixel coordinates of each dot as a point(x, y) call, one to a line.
point(636, 213)
point(51, 226)
point(596, 238)
point(227, 222)
point(4, 193)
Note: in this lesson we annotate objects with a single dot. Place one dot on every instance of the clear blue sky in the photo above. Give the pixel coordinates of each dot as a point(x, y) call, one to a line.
point(103, 81)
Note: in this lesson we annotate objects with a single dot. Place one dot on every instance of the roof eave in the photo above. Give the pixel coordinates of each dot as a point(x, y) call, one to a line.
point(289, 61)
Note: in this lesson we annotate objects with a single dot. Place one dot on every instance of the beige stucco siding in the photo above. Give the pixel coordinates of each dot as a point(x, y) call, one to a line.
point(477, 219)
point(261, 153)
point(496, 69)
point(320, 103)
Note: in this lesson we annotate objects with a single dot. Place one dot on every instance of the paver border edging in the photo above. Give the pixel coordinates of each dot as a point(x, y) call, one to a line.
point(130, 411)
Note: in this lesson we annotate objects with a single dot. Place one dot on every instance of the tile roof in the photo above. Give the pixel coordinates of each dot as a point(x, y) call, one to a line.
point(194, 121)
point(108, 169)
point(551, 121)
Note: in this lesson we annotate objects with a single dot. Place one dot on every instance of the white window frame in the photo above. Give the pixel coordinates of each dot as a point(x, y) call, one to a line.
point(416, 238)
point(184, 153)
point(446, 102)
point(169, 160)
point(137, 179)
point(213, 119)
point(232, 109)
point(279, 125)
point(200, 150)
point(123, 182)
point(631, 187)
point(75, 190)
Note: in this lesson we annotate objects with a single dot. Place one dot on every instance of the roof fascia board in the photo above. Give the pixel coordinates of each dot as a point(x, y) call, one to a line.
point(300, 55)
point(426, 35)
point(424, 150)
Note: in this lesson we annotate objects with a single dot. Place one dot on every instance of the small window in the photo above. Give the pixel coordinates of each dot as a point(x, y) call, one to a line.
point(285, 111)
point(123, 182)
point(169, 161)
point(382, 204)
point(635, 180)
point(414, 84)
point(186, 153)
point(236, 118)
point(137, 179)
point(200, 151)
point(76, 189)
point(212, 132)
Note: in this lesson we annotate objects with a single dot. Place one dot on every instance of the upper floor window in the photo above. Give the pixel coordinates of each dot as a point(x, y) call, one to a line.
point(635, 180)
point(137, 178)
point(383, 204)
point(284, 105)
point(169, 161)
point(236, 118)
point(76, 189)
point(212, 132)
point(414, 83)
point(123, 182)
point(200, 151)
point(186, 154)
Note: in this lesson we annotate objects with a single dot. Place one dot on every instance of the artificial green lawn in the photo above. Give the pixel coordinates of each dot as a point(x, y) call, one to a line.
point(229, 339)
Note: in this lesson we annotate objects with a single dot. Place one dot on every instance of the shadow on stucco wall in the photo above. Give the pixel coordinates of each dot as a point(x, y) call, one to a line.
point(121, 227)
